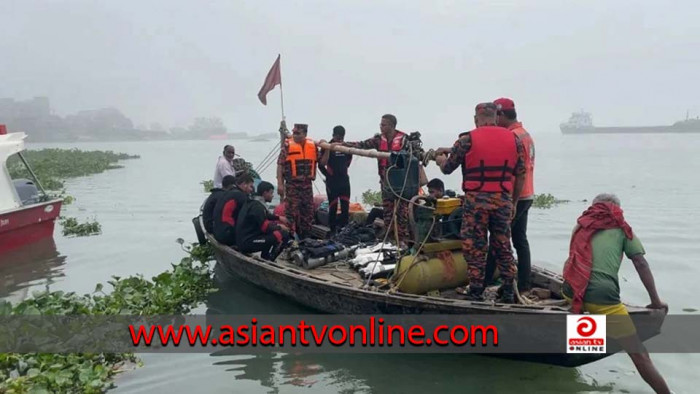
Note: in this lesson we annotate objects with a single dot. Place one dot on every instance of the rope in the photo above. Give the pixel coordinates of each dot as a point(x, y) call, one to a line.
point(386, 235)
point(267, 160)
point(269, 155)
point(416, 259)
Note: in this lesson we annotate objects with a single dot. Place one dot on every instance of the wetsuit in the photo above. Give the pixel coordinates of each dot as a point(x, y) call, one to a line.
point(226, 215)
point(256, 232)
point(208, 208)
point(337, 187)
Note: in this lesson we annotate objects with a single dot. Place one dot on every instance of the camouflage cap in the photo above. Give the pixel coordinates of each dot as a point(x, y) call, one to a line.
point(486, 109)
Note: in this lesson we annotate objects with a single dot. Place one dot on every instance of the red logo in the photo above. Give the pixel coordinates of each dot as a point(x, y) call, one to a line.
point(586, 326)
point(585, 333)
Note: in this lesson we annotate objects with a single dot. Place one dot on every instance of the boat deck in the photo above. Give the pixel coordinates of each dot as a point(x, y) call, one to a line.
point(546, 293)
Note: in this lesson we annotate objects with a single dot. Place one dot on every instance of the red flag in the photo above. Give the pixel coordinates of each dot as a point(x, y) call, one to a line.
point(274, 78)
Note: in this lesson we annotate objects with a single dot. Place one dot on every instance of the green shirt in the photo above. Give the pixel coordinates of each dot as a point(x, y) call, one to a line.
point(608, 246)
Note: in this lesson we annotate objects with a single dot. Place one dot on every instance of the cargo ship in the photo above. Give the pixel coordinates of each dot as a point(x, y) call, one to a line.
point(582, 123)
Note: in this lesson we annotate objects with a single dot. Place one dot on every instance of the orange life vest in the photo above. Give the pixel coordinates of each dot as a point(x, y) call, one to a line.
point(396, 145)
point(490, 163)
point(529, 145)
point(301, 160)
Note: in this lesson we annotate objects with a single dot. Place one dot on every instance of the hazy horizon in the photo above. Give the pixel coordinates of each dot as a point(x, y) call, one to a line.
point(627, 62)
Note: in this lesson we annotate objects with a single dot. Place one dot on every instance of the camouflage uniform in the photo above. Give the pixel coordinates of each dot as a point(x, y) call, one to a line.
point(298, 200)
point(388, 198)
point(299, 206)
point(484, 213)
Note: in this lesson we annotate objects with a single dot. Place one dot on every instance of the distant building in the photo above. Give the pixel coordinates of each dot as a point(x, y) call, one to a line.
point(34, 118)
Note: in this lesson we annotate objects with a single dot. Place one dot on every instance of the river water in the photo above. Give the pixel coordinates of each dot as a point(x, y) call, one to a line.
point(145, 206)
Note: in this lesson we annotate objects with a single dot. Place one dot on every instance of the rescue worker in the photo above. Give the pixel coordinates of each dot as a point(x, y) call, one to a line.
point(493, 170)
point(228, 207)
point(224, 166)
point(210, 202)
point(296, 171)
point(334, 165)
point(389, 140)
point(591, 284)
point(507, 117)
point(256, 230)
point(436, 188)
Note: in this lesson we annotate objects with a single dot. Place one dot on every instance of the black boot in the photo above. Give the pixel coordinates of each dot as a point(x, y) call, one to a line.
point(506, 294)
point(475, 294)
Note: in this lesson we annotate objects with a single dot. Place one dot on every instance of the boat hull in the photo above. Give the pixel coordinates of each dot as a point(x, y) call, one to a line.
point(337, 298)
point(28, 224)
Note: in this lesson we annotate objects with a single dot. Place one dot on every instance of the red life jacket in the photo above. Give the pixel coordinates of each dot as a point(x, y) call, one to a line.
point(396, 145)
point(490, 163)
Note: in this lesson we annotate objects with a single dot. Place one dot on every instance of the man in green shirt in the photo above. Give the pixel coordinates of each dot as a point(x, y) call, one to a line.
point(608, 247)
point(609, 235)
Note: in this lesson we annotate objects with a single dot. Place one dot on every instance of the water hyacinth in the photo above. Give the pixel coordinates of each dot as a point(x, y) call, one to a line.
point(53, 166)
point(176, 291)
point(72, 227)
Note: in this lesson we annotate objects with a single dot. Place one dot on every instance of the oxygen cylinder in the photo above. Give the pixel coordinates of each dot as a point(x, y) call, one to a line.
point(431, 272)
point(314, 262)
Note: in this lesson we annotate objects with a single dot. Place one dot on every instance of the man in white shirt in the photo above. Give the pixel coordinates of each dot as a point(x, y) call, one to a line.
point(224, 166)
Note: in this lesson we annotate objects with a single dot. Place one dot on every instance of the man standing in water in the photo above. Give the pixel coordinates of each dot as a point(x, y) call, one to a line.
point(296, 171)
point(591, 284)
point(389, 140)
point(334, 165)
point(492, 161)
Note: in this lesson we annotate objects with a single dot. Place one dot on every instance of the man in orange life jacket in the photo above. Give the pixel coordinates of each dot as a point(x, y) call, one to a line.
point(228, 207)
point(296, 171)
point(390, 140)
point(493, 171)
point(334, 165)
point(507, 117)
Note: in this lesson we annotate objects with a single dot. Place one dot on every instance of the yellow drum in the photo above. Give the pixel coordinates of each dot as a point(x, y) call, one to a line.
point(422, 273)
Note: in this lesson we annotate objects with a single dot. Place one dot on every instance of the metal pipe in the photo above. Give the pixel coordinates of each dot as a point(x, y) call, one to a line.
point(354, 151)
point(36, 179)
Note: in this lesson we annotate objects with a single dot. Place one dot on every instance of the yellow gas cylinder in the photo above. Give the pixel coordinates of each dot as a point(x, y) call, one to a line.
point(425, 272)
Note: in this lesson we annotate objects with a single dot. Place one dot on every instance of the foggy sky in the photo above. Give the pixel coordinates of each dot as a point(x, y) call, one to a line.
point(427, 62)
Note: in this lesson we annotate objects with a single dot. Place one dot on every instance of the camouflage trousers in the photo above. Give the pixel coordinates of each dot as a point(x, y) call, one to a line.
point(486, 224)
point(401, 219)
point(299, 206)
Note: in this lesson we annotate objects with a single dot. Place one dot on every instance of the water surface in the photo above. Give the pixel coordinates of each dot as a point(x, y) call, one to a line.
point(149, 203)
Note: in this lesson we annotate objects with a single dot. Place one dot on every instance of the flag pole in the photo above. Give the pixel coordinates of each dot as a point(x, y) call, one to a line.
point(281, 94)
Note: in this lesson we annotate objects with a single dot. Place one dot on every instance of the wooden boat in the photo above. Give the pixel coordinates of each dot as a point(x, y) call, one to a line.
point(343, 291)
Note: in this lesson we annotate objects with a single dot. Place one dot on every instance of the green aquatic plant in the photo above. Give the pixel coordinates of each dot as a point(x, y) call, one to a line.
point(371, 197)
point(546, 201)
point(176, 291)
point(53, 166)
point(208, 185)
point(71, 226)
